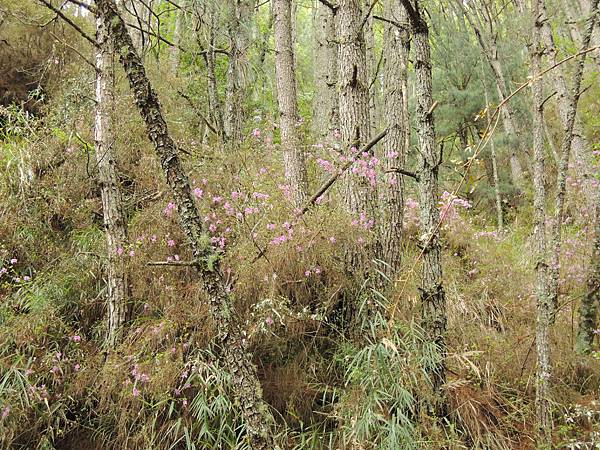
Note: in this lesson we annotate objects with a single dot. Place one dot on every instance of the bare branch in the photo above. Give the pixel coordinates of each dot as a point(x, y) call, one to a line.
point(76, 27)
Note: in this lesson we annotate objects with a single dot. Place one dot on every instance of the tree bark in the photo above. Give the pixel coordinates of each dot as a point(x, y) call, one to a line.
point(230, 338)
point(358, 195)
point(239, 13)
point(588, 308)
point(433, 301)
point(544, 305)
point(293, 155)
point(325, 109)
point(215, 106)
point(496, 178)
point(396, 46)
point(569, 101)
point(115, 224)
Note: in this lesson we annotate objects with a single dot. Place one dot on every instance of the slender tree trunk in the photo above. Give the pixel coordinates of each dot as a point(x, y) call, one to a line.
point(588, 308)
point(496, 178)
point(239, 13)
point(175, 51)
point(215, 106)
point(569, 109)
point(433, 301)
point(582, 155)
point(396, 46)
point(293, 155)
point(544, 305)
point(230, 338)
point(490, 51)
point(358, 194)
point(325, 109)
point(115, 224)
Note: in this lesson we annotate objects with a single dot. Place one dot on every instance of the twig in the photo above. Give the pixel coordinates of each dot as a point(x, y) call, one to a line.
point(172, 263)
point(74, 50)
point(403, 172)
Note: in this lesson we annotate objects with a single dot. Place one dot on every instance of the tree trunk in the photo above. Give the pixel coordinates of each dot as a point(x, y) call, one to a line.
point(496, 178)
point(588, 308)
point(568, 101)
point(175, 51)
point(230, 338)
point(325, 109)
point(239, 13)
point(214, 103)
point(396, 46)
point(490, 51)
point(358, 194)
point(115, 224)
point(293, 155)
point(433, 301)
point(544, 305)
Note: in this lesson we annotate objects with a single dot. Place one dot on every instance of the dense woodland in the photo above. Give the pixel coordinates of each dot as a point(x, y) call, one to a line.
point(299, 224)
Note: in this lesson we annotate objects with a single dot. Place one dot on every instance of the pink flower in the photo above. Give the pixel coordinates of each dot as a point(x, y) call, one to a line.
point(131, 253)
point(13, 260)
point(332, 239)
point(270, 226)
point(76, 367)
point(5, 412)
point(120, 251)
point(269, 321)
point(76, 338)
point(176, 257)
point(198, 192)
point(256, 132)
point(135, 392)
point(171, 243)
point(26, 278)
point(307, 273)
point(153, 238)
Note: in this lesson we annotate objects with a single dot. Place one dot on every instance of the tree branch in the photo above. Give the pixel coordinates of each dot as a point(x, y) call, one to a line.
point(60, 14)
point(336, 175)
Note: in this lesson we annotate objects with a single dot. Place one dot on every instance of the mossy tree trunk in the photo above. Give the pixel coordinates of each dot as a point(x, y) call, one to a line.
point(230, 341)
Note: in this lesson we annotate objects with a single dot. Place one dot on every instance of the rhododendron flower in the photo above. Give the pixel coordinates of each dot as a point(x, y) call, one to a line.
point(5, 412)
point(269, 321)
point(171, 243)
point(256, 132)
point(153, 238)
point(76, 367)
point(135, 392)
point(131, 253)
point(332, 239)
point(76, 338)
point(13, 260)
point(198, 192)
point(270, 226)
point(26, 278)
point(120, 251)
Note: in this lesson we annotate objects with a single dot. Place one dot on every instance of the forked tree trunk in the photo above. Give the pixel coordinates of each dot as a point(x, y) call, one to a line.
point(395, 146)
point(293, 154)
point(433, 301)
point(230, 338)
point(544, 305)
point(115, 225)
